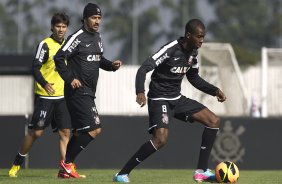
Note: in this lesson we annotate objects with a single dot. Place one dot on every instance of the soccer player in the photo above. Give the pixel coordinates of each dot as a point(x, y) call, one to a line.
point(49, 103)
point(83, 52)
point(170, 64)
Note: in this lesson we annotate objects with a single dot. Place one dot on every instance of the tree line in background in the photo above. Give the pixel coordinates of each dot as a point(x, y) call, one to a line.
point(248, 25)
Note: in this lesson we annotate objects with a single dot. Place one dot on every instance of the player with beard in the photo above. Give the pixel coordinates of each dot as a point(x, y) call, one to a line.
point(83, 52)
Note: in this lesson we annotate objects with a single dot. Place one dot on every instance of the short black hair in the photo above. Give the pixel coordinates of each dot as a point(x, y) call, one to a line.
point(60, 18)
point(192, 25)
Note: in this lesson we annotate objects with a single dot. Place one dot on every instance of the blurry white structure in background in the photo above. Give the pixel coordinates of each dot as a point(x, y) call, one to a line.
point(229, 78)
point(254, 110)
point(257, 87)
point(271, 83)
point(16, 95)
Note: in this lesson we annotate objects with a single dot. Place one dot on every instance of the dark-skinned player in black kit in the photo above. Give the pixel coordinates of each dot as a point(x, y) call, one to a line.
point(170, 64)
point(83, 53)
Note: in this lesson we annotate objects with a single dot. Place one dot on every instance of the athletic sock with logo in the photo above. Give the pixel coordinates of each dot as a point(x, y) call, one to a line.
point(208, 138)
point(19, 159)
point(76, 145)
point(144, 152)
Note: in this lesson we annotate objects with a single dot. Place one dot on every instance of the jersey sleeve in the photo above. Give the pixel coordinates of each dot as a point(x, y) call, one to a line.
point(106, 64)
point(41, 56)
point(151, 63)
point(69, 48)
point(199, 83)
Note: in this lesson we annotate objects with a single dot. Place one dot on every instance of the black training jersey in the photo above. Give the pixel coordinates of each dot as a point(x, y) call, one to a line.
point(83, 52)
point(170, 64)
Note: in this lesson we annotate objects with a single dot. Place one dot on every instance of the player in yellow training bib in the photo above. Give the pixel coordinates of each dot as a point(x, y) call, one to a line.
point(49, 103)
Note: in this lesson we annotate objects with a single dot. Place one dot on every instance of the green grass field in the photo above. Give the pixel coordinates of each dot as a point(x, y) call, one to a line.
point(140, 176)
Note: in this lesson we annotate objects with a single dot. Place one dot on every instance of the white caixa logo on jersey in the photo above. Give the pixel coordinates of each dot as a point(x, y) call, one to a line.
point(179, 69)
point(94, 57)
point(228, 145)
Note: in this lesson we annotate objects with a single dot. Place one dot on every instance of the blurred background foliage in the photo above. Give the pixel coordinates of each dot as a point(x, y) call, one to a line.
point(134, 29)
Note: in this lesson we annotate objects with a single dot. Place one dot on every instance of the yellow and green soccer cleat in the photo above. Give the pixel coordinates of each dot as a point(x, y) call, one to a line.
point(13, 173)
point(74, 168)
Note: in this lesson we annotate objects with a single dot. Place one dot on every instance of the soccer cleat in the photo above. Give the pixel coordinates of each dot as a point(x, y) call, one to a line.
point(70, 169)
point(81, 175)
point(123, 178)
point(63, 174)
point(201, 176)
point(13, 172)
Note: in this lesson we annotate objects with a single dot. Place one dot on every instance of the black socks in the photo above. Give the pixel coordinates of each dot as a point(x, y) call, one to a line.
point(76, 145)
point(19, 159)
point(208, 139)
point(144, 152)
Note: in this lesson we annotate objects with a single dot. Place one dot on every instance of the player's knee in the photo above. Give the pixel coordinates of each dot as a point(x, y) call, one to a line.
point(37, 133)
point(215, 122)
point(98, 131)
point(160, 137)
point(160, 142)
point(64, 133)
point(95, 132)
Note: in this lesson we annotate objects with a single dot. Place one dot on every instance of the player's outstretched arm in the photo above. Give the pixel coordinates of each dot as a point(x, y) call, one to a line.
point(108, 65)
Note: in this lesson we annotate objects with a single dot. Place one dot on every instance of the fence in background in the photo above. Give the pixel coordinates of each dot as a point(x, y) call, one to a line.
point(116, 93)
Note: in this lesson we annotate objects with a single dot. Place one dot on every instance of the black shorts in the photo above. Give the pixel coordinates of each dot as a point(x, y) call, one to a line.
point(48, 111)
point(83, 112)
point(161, 111)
